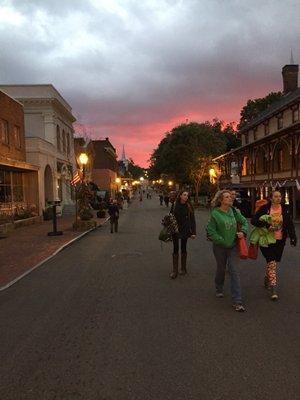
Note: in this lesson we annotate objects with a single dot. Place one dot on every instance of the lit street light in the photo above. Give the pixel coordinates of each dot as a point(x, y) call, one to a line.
point(83, 159)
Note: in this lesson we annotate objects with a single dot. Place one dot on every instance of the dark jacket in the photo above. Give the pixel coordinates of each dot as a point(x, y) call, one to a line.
point(288, 228)
point(185, 218)
point(113, 211)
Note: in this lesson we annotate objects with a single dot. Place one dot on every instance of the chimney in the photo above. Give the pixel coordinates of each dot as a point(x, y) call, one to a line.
point(290, 77)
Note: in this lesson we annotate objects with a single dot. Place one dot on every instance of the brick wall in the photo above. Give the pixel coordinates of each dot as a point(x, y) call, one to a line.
point(105, 179)
point(12, 112)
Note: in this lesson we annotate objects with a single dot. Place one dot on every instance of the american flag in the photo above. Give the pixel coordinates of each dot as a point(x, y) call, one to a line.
point(76, 178)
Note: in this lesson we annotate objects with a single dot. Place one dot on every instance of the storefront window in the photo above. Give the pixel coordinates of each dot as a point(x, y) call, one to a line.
point(5, 186)
point(17, 185)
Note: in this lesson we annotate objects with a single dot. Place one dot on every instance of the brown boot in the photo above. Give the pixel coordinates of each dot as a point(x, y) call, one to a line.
point(174, 273)
point(183, 270)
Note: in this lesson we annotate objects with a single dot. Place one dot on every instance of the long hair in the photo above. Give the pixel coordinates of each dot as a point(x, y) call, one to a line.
point(188, 203)
point(216, 201)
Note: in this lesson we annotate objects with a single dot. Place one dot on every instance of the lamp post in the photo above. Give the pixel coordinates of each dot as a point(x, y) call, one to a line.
point(83, 159)
point(118, 184)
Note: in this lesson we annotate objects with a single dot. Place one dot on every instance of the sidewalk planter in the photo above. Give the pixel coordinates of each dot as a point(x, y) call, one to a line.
point(81, 225)
point(28, 221)
point(101, 214)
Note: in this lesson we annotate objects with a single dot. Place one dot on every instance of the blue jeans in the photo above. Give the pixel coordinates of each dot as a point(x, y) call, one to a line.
point(228, 257)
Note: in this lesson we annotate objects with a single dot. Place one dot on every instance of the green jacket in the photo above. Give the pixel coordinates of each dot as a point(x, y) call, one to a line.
point(222, 226)
point(262, 236)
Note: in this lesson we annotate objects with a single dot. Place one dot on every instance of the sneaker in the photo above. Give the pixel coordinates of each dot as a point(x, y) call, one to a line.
point(219, 295)
point(239, 307)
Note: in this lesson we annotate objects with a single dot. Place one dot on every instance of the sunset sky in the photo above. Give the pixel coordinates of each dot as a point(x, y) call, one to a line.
point(133, 69)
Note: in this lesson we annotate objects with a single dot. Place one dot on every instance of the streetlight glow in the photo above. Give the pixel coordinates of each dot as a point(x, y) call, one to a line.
point(83, 158)
point(118, 180)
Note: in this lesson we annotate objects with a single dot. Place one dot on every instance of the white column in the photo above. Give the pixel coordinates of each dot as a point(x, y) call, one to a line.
point(50, 128)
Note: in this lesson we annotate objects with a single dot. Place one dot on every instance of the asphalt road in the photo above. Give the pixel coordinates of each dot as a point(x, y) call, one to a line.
point(102, 320)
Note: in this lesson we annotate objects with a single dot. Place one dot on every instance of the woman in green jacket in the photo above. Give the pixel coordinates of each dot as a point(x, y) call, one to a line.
point(223, 232)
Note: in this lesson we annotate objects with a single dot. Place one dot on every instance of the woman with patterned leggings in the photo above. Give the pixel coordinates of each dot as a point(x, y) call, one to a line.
point(282, 226)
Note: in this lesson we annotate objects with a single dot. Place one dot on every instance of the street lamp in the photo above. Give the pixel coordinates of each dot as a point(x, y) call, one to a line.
point(83, 159)
point(118, 180)
point(212, 175)
point(170, 183)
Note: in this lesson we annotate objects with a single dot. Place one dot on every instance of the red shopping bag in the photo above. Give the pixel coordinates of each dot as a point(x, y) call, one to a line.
point(242, 247)
point(253, 251)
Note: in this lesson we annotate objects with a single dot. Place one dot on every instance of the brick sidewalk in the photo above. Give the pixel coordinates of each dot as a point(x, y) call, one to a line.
point(27, 246)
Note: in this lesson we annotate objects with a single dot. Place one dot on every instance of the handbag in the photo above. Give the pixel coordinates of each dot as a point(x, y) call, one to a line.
point(242, 247)
point(253, 251)
point(165, 235)
point(241, 242)
point(170, 222)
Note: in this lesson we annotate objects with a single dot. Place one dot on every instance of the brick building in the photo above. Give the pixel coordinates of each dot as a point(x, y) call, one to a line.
point(105, 166)
point(18, 179)
point(49, 139)
point(270, 153)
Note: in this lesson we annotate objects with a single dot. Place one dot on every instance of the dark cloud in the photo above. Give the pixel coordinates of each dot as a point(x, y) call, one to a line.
point(139, 67)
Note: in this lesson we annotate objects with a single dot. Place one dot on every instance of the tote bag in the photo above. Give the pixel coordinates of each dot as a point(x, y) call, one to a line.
point(241, 243)
point(253, 251)
point(242, 248)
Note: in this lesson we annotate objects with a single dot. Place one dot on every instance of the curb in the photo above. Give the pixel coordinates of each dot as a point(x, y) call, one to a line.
point(64, 246)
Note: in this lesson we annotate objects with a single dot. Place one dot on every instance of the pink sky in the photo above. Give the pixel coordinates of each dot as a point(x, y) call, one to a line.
point(132, 70)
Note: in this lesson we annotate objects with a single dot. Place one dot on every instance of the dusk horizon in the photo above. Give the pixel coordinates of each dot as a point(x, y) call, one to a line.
point(132, 71)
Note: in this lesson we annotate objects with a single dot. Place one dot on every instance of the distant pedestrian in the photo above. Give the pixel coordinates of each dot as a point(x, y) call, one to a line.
point(185, 217)
point(282, 225)
point(222, 230)
point(113, 211)
point(166, 200)
point(161, 199)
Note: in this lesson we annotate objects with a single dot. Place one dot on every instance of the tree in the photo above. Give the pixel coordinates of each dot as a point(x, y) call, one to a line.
point(135, 170)
point(232, 140)
point(186, 152)
point(254, 107)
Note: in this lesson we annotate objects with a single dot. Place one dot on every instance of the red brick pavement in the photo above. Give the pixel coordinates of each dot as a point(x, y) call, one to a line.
point(27, 246)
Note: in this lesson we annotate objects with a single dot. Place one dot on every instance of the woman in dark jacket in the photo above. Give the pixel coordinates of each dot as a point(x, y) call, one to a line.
point(282, 226)
point(185, 217)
